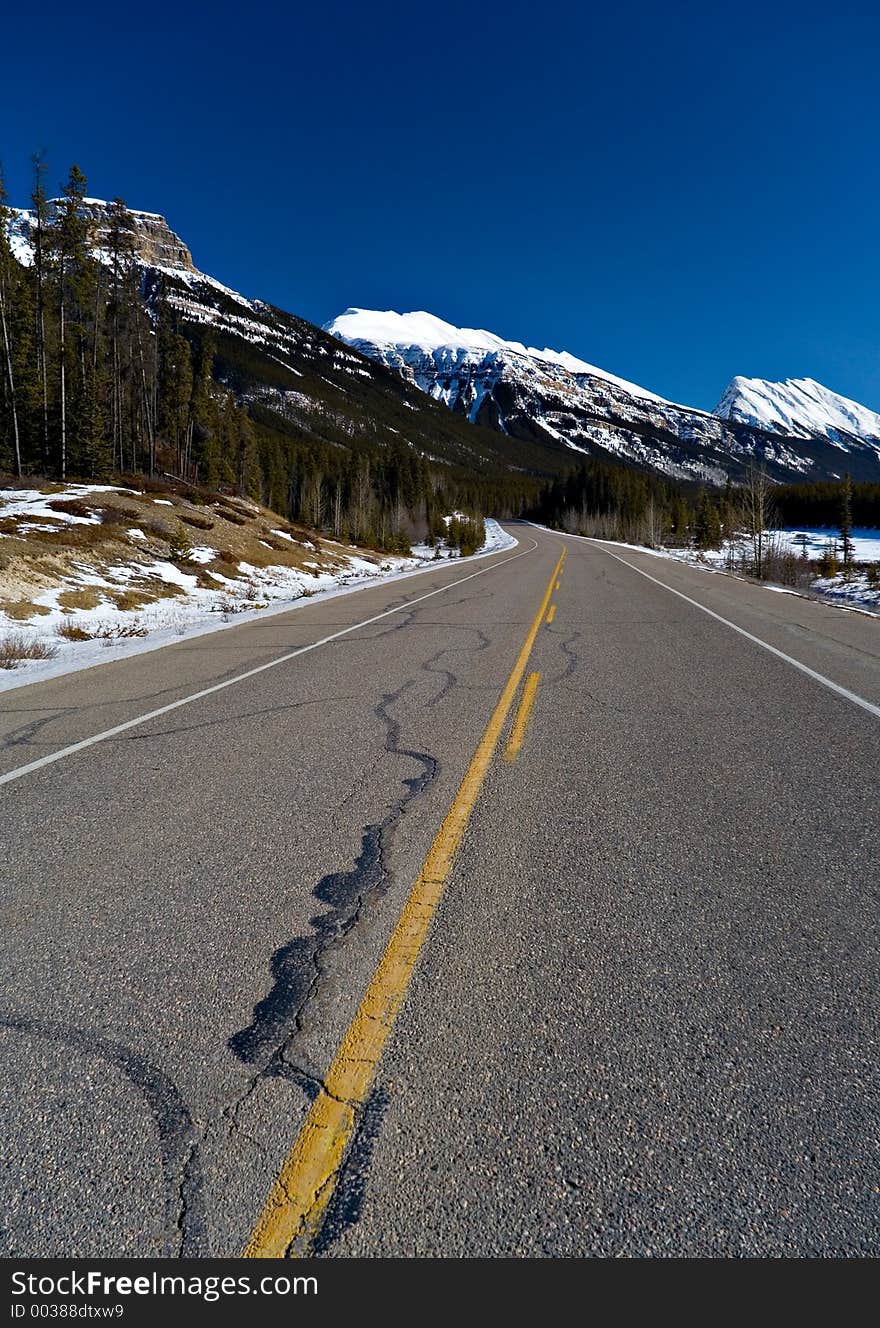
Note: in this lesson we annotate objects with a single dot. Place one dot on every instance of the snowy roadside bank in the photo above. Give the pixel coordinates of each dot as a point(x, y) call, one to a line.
point(104, 610)
point(856, 588)
point(854, 591)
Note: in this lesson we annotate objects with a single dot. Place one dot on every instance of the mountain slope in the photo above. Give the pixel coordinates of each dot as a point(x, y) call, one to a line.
point(800, 408)
point(291, 372)
point(546, 395)
point(467, 398)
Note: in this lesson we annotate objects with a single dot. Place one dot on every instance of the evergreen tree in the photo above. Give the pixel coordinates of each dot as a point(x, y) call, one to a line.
point(707, 523)
point(7, 277)
point(40, 206)
point(120, 245)
point(175, 385)
point(73, 270)
point(247, 460)
point(28, 386)
point(201, 452)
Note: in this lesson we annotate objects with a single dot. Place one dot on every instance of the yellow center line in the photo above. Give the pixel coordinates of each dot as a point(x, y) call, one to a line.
point(551, 614)
point(298, 1198)
point(518, 732)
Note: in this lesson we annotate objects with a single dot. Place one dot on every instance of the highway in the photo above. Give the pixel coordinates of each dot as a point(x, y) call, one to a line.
point(525, 907)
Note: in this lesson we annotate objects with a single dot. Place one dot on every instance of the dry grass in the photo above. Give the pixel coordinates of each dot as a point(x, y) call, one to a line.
point(228, 514)
point(128, 599)
point(69, 537)
point(69, 631)
point(50, 525)
point(161, 529)
point(204, 580)
point(226, 564)
point(151, 496)
point(16, 648)
point(113, 515)
point(71, 507)
point(22, 609)
point(34, 561)
point(240, 505)
point(197, 520)
point(164, 589)
point(119, 632)
point(82, 597)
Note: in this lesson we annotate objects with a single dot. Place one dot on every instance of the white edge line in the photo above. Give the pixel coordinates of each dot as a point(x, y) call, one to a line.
point(756, 640)
point(20, 771)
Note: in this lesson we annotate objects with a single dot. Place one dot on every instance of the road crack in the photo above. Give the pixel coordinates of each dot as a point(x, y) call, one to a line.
point(298, 966)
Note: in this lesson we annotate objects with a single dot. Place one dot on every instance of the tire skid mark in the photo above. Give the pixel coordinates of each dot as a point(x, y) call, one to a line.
point(184, 1224)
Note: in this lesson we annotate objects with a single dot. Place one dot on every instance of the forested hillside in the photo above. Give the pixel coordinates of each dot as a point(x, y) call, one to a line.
point(112, 365)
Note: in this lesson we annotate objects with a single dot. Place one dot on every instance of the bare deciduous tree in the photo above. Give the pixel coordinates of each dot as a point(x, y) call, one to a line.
point(757, 515)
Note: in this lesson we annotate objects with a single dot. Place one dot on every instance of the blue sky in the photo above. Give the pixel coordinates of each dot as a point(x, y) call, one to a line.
point(678, 193)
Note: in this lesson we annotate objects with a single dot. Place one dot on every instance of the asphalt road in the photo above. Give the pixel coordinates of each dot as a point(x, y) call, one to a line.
point(644, 1021)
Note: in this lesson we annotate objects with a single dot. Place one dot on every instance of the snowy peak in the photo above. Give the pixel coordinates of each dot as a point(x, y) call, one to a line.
point(418, 329)
point(798, 408)
point(386, 335)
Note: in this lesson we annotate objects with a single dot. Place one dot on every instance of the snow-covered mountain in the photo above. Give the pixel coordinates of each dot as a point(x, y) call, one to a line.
point(545, 395)
point(800, 408)
point(451, 347)
point(279, 363)
point(382, 377)
point(165, 262)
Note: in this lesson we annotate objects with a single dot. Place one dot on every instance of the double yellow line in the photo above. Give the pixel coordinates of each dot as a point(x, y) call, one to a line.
point(299, 1197)
point(527, 700)
point(521, 719)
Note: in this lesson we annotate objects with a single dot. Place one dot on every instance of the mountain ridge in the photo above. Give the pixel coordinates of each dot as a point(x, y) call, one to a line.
point(798, 407)
point(523, 391)
point(460, 397)
point(312, 385)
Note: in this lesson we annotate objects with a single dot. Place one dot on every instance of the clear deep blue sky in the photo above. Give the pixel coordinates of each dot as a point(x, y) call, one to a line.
point(677, 192)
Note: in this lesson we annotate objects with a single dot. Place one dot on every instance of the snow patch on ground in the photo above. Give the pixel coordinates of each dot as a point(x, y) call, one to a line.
point(34, 503)
point(188, 609)
point(794, 539)
point(853, 588)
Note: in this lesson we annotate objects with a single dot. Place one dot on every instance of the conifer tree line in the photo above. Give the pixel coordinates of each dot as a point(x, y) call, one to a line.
point(821, 504)
point(97, 382)
point(602, 499)
point(609, 501)
point(93, 385)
